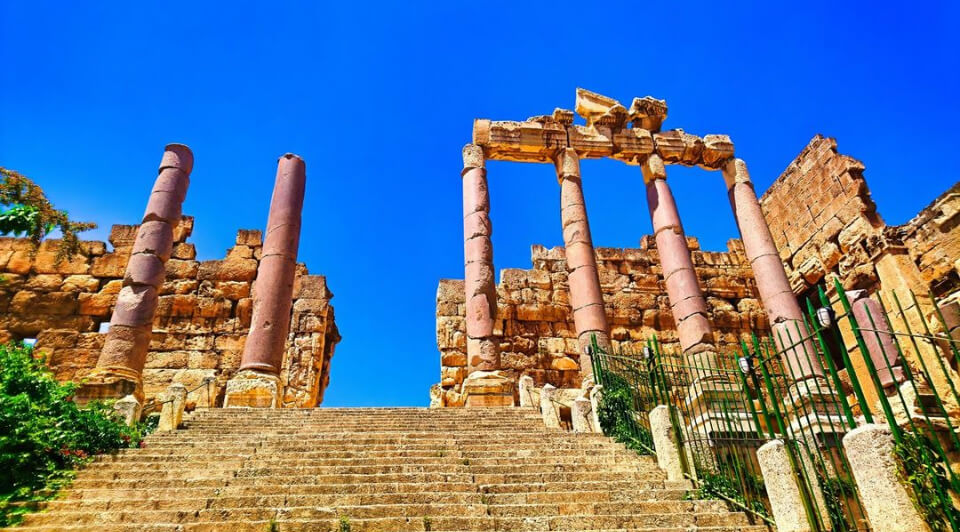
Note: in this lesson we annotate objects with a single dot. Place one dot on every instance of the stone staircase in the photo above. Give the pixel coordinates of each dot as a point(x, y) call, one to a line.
point(385, 469)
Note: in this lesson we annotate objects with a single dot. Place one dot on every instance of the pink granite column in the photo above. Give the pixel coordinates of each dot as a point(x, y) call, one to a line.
point(273, 293)
point(880, 342)
point(257, 384)
point(786, 318)
point(120, 366)
point(586, 297)
point(481, 291)
point(687, 303)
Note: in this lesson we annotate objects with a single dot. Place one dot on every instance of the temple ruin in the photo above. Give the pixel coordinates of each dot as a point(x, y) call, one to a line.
point(146, 314)
point(816, 223)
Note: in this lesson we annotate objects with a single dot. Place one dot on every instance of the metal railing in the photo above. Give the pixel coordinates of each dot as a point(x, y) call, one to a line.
point(725, 406)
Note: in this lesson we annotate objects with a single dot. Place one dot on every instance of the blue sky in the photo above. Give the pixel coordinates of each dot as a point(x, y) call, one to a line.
point(379, 99)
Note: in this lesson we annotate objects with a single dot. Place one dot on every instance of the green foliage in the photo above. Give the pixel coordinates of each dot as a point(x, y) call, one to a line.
point(29, 213)
point(44, 434)
point(344, 524)
point(615, 412)
point(272, 525)
point(719, 486)
point(835, 492)
point(921, 467)
point(427, 524)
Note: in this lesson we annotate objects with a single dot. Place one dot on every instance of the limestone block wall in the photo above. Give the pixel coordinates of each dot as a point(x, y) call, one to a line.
point(535, 323)
point(823, 219)
point(201, 322)
point(932, 239)
point(826, 225)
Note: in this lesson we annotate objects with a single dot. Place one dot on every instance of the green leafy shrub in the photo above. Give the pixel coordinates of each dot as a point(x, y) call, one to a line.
point(44, 434)
point(615, 412)
point(921, 467)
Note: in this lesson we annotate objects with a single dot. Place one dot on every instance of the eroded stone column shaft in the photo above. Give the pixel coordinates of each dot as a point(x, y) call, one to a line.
point(786, 318)
point(586, 297)
point(687, 304)
point(273, 291)
point(481, 292)
point(125, 347)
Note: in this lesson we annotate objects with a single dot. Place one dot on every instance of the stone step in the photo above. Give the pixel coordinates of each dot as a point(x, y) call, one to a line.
point(412, 517)
point(448, 459)
point(380, 469)
point(172, 456)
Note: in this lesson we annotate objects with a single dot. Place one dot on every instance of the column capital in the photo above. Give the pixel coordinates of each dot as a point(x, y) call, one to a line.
point(472, 158)
point(567, 163)
point(735, 171)
point(653, 168)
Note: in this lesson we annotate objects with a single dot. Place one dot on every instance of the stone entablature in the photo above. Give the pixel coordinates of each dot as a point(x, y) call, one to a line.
point(202, 317)
point(535, 326)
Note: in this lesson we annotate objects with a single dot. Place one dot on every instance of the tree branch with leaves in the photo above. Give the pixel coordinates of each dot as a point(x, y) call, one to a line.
point(25, 211)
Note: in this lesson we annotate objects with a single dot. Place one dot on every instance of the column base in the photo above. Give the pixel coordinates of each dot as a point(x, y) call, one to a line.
point(487, 388)
point(109, 383)
point(252, 389)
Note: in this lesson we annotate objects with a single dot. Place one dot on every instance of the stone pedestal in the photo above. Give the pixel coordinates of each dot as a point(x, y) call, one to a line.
point(665, 443)
point(884, 494)
point(586, 296)
point(129, 409)
point(786, 499)
point(581, 415)
point(253, 389)
point(120, 366)
point(487, 388)
point(171, 414)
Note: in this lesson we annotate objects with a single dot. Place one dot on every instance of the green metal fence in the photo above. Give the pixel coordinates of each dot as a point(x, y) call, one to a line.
point(805, 386)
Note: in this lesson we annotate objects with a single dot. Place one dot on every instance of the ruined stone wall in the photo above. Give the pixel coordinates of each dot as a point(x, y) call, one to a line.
point(826, 225)
point(201, 321)
point(823, 219)
point(536, 325)
point(932, 239)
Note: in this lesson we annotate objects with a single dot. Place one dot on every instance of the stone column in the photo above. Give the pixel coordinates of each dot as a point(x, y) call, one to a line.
point(481, 291)
point(485, 384)
point(586, 297)
point(119, 369)
point(687, 304)
point(786, 318)
point(257, 383)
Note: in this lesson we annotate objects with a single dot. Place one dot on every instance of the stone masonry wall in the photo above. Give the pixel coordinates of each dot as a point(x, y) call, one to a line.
point(932, 239)
point(823, 219)
point(201, 322)
point(536, 326)
point(826, 225)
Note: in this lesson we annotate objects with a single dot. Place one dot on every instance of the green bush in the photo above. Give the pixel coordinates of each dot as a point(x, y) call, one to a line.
point(44, 434)
point(615, 412)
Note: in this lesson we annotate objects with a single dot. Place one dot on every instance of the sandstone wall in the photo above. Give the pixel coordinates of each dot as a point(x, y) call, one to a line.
point(201, 322)
point(823, 219)
point(933, 240)
point(826, 225)
point(535, 321)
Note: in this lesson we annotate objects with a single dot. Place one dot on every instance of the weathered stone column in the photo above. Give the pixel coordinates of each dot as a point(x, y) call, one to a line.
point(485, 384)
point(257, 383)
point(586, 297)
point(481, 291)
point(786, 318)
point(119, 369)
point(687, 303)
